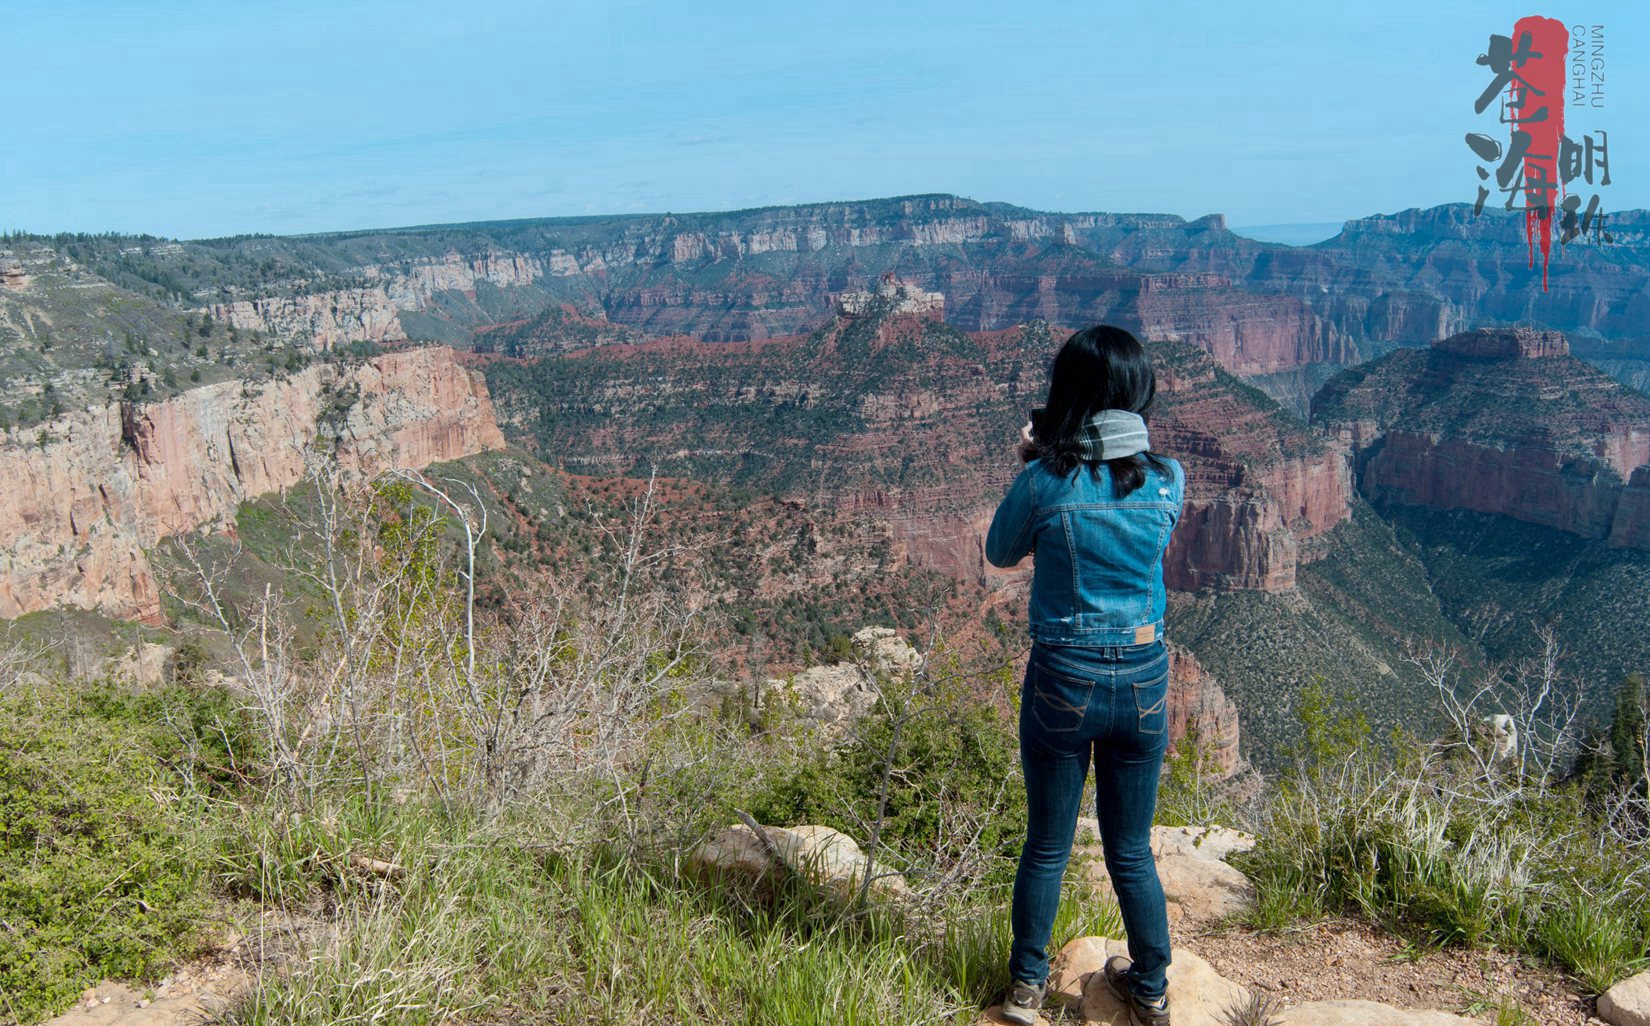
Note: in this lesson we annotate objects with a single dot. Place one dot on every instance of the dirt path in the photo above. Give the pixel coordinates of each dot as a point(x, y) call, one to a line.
point(1343, 959)
point(191, 995)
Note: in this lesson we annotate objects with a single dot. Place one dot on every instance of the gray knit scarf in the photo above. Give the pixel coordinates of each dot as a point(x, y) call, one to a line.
point(1111, 434)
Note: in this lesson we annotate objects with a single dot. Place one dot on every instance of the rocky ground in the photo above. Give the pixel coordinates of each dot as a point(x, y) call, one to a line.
point(1332, 973)
point(194, 994)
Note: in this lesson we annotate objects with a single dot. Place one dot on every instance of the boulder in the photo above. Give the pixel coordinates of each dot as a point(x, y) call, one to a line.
point(882, 650)
point(1198, 996)
point(825, 697)
point(1205, 889)
point(819, 854)
point(1197, 881)
point(1627, 1003)
point(143, 664)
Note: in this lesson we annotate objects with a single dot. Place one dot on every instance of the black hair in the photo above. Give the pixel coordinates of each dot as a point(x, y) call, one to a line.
point(1099, 368)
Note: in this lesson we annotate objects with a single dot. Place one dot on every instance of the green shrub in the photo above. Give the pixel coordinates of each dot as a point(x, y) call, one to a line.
point(1594, 938)
point(952, 776)
point(98, 876)
point(1189, 793)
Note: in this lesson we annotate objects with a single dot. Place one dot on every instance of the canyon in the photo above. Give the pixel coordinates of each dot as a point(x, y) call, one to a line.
point(1500, 421)
point(906, 418)
point(1258, 308)
point(873, 359)
point(89, 493)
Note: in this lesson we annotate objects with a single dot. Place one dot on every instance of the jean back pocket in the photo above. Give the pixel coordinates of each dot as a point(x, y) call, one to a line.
point(1151, 704)
point(1059, 701)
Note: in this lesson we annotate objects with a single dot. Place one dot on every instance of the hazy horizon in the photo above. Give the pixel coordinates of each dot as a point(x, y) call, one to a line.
point(1297, 233)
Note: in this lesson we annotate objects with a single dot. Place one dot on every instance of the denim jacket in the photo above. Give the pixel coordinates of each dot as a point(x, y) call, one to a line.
point(1098, 576)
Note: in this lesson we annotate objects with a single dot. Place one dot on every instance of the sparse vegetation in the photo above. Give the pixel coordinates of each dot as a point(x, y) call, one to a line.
point(490, 805)
point(1483, 837)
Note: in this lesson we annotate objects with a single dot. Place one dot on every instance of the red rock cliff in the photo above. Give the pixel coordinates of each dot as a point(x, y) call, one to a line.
point(78, 511)
point(1258, 482)
point(1196, 701)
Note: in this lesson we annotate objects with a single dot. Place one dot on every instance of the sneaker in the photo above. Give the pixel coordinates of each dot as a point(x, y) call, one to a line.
point(1141, 1012)
point(1023, 1001)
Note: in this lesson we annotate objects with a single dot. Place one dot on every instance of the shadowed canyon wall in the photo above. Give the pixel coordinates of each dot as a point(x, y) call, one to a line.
point(1499, 421)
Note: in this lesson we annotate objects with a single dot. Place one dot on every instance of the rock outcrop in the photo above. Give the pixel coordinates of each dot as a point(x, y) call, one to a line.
point(1198, 706)
point(90, 493)
point(831, 698)
point(1627, 1003)
point(897, 296)
point(371, 311)
point(12, 273)
point(322, 320)
point(1499, 421)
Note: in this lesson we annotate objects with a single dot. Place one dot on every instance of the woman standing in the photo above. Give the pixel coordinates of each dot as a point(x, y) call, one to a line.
point(1097, 507)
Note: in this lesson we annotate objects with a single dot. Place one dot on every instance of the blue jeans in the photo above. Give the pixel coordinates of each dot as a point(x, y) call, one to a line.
point(1108, 704)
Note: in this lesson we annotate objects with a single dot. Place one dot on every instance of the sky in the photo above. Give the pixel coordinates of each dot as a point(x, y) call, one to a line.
point(205, 119)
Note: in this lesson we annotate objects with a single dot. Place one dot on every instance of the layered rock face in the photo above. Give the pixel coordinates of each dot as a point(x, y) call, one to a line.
point(913, 422)
point(1247, 333)
point(1499, 421)
point(1198, 705)
point(754, 274)
point(1258, 482)
point(372, 311)
point(80, 509)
